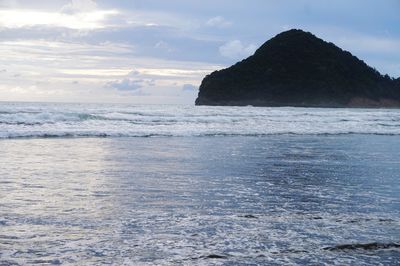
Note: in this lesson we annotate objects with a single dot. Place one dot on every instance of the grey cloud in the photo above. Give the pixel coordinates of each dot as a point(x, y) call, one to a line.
point(151, 83)
point(126, 84)
point(134, 73)
point(162, 42)
point(131, 86)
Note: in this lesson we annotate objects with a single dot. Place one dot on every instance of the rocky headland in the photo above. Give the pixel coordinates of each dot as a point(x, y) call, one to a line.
point(296, 68)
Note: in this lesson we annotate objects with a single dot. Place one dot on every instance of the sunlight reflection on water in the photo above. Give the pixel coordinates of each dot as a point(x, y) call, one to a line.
point(221, 200)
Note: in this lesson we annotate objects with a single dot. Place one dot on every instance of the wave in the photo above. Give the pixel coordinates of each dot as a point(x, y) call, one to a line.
point(150, 135)
point(65, 120)
point(39, 118)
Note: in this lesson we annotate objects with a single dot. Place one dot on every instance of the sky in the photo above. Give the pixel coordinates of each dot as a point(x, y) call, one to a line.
point(158, 51)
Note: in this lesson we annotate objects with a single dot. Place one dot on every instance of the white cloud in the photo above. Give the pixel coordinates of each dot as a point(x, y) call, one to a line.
point(79, 16)
point(79, 6)
point(237, 50)
point(88, 68)
point(218, 22)
point(81, 72)
point(175, 73)
point(189, 87)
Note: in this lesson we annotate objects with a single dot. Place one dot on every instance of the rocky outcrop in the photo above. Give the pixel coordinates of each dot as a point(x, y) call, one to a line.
point(295, 68)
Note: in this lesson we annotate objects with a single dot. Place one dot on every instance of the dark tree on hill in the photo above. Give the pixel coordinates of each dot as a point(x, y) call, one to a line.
point(295, 68)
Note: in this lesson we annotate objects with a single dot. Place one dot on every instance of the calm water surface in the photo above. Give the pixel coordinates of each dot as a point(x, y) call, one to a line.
point(199, 200)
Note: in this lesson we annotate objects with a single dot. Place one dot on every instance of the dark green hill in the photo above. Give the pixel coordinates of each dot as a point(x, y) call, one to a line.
point(295, 68)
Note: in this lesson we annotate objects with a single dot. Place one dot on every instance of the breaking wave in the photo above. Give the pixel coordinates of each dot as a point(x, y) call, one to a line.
point(22, 120)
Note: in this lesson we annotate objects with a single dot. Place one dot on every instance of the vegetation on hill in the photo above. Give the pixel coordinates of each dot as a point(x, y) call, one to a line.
point(295, 68)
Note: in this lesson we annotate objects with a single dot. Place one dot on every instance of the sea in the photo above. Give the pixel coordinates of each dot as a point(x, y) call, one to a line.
point(120, 184)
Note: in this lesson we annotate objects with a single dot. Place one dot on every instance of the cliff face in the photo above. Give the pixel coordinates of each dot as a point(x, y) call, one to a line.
point(295, 68)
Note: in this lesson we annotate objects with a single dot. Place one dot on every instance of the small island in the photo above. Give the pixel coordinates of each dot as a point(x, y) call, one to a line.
point(295, 68)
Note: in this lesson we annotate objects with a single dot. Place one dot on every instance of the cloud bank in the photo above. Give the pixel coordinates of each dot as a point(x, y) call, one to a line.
point(85, 50)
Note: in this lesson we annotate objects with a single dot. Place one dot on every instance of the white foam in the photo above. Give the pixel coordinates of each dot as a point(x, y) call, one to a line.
point(70, 120)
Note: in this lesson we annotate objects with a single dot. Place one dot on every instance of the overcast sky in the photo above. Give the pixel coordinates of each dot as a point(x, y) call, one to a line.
point(158, 51)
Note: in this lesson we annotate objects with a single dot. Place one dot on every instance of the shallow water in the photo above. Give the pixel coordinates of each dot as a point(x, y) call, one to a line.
point(279, 199)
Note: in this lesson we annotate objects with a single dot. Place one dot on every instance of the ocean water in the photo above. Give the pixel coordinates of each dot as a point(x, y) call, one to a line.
point(183, 185)
point(94, 120)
